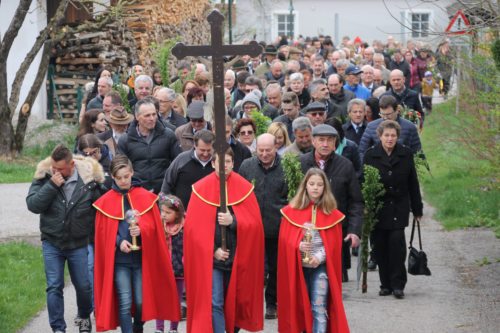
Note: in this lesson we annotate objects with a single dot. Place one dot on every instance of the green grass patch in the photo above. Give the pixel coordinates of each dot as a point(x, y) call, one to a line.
point(463, 189)
point(21, 169)
point(22, 290)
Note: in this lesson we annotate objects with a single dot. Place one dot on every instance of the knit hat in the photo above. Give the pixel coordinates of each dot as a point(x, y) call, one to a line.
point(252, 97)
point(428, 73)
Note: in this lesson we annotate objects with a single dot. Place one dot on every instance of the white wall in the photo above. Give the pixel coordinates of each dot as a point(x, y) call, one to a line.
point(35, 20)
point(368, 19)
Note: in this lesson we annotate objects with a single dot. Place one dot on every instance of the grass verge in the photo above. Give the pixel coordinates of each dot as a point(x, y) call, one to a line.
point(22, 291)
point(463, 189)
point(21, 169)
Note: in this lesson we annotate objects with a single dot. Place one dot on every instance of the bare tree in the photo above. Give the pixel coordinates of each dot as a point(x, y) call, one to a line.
point(11, 140)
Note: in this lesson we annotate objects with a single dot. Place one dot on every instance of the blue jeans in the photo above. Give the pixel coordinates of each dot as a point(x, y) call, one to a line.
point(220, 281)
point(54, 260)
point(128, 283)
point(317, 286)
point(90, 258)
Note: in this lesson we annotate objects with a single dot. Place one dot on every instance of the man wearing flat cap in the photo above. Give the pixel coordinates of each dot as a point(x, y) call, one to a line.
point(344, 184)
point(353, 77)
point(316, 112)
point(185, 133)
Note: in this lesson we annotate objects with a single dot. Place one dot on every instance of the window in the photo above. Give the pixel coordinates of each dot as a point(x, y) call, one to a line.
point(285, 24)
point(420, 24)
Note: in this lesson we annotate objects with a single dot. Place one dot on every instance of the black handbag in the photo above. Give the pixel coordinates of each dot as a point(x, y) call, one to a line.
point(417, 260)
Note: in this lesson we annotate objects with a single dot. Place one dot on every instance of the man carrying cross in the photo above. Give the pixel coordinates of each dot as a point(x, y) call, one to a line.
point(223, 270)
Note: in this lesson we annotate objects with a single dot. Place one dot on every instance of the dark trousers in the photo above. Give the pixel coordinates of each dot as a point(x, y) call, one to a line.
point(390, 253)
point(272, 267)
point(346, 255)
point(427, 103)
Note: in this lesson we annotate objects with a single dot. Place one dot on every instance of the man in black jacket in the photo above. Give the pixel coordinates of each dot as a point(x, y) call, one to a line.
point(356, 125)
point(241, 152)
point(404, 95)
point(344, 183)
point(166, 98)
point(189, 167)
point(266, 173)
point(149, 146)
point(62, 192)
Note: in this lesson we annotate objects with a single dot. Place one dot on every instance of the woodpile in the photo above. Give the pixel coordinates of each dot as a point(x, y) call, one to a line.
point(153, 21)
point(122, 44)
point(78, 58)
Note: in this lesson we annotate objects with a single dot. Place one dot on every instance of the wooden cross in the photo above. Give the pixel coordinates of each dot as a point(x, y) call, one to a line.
point(217, 51)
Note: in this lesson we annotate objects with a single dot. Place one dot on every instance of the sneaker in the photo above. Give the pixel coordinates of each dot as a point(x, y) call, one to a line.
point(85, 325)
point(58, 332)
point(77, 321)
point(271, 313)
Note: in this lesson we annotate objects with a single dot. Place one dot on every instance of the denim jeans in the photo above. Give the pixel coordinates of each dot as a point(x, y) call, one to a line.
point(90, 258)
point(317, 286)
point(54, 260)
point(128, 282)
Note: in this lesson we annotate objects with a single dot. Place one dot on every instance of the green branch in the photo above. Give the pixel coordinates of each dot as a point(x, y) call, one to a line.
point(293, 173)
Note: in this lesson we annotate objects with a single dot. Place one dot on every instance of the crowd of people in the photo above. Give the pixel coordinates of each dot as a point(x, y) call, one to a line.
point(134, 206)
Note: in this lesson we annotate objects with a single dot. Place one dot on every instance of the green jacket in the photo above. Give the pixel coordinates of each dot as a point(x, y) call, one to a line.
point(66, 223)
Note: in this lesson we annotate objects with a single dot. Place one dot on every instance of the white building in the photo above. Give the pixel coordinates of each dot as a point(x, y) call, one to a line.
point(35, 21)
point(368, 19)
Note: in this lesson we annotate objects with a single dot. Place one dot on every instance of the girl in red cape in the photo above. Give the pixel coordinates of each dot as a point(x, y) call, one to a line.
point(121, 273)
point(309, 260)
point(224, 289)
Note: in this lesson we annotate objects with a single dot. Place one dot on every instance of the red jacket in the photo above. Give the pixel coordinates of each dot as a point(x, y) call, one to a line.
point(244, 301)
point(159, 292)
point(294, 306)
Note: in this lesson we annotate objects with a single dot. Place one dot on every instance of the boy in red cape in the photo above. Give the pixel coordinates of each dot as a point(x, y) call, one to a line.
point(242, 306)
point(305, 303)
point(159, 293)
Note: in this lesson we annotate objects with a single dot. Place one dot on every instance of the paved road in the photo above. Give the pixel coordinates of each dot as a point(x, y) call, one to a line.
point(460, 296)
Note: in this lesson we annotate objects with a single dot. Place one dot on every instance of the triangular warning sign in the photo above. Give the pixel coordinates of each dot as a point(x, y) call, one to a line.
point(459, 24)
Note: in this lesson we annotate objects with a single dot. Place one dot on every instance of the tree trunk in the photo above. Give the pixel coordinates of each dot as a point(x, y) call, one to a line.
point(24, 113)
point(6, 131)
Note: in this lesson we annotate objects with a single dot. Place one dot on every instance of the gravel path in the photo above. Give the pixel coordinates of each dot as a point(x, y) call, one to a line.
point(460, 296)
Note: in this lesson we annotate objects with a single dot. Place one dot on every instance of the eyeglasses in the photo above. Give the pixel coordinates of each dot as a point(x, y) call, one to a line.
point(249, 107)
point(246, 132)
point(318, 113)
point(197, 120)
point(92, 153)
point(165, 101)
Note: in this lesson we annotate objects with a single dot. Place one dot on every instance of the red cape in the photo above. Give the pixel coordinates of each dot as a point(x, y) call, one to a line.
point(159, 293)
point(294, 306)
point(244, 301)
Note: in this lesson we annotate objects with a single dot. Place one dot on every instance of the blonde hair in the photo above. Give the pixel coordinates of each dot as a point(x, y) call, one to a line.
point(279, 128)
point(181, 103)
point(301, 200)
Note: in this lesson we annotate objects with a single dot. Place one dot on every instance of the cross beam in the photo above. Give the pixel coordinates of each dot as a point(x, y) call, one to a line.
point(217, 50)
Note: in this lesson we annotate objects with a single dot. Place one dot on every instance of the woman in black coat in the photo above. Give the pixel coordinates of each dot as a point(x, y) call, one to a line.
point(402, 193)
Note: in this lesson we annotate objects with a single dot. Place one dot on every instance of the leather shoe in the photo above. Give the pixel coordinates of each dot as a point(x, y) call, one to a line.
point(398, 293)
point(271, 313)
point(384, 292)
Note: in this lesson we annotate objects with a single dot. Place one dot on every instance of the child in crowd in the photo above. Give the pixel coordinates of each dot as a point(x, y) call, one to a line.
point(123, 273)
point(310, 268)
point(428, 86)
point(172, 217)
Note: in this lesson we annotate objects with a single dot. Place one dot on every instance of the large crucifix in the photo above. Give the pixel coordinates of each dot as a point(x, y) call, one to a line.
point(217, 51)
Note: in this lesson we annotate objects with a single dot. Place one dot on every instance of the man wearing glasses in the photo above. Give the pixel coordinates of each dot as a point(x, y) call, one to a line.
point(389, 111)
point(197, 122)
point(166, 98)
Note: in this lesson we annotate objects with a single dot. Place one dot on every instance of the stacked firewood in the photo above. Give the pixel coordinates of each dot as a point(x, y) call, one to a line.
point(78, 58)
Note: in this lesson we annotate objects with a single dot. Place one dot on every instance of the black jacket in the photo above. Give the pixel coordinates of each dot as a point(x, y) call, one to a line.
point(66, 223)
point(184, 171)
point(270, 189)
point(345, 188)
point(150, 160)
point(241, 153)
point(408, 98)
point(350, 132)
point(402, 191)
